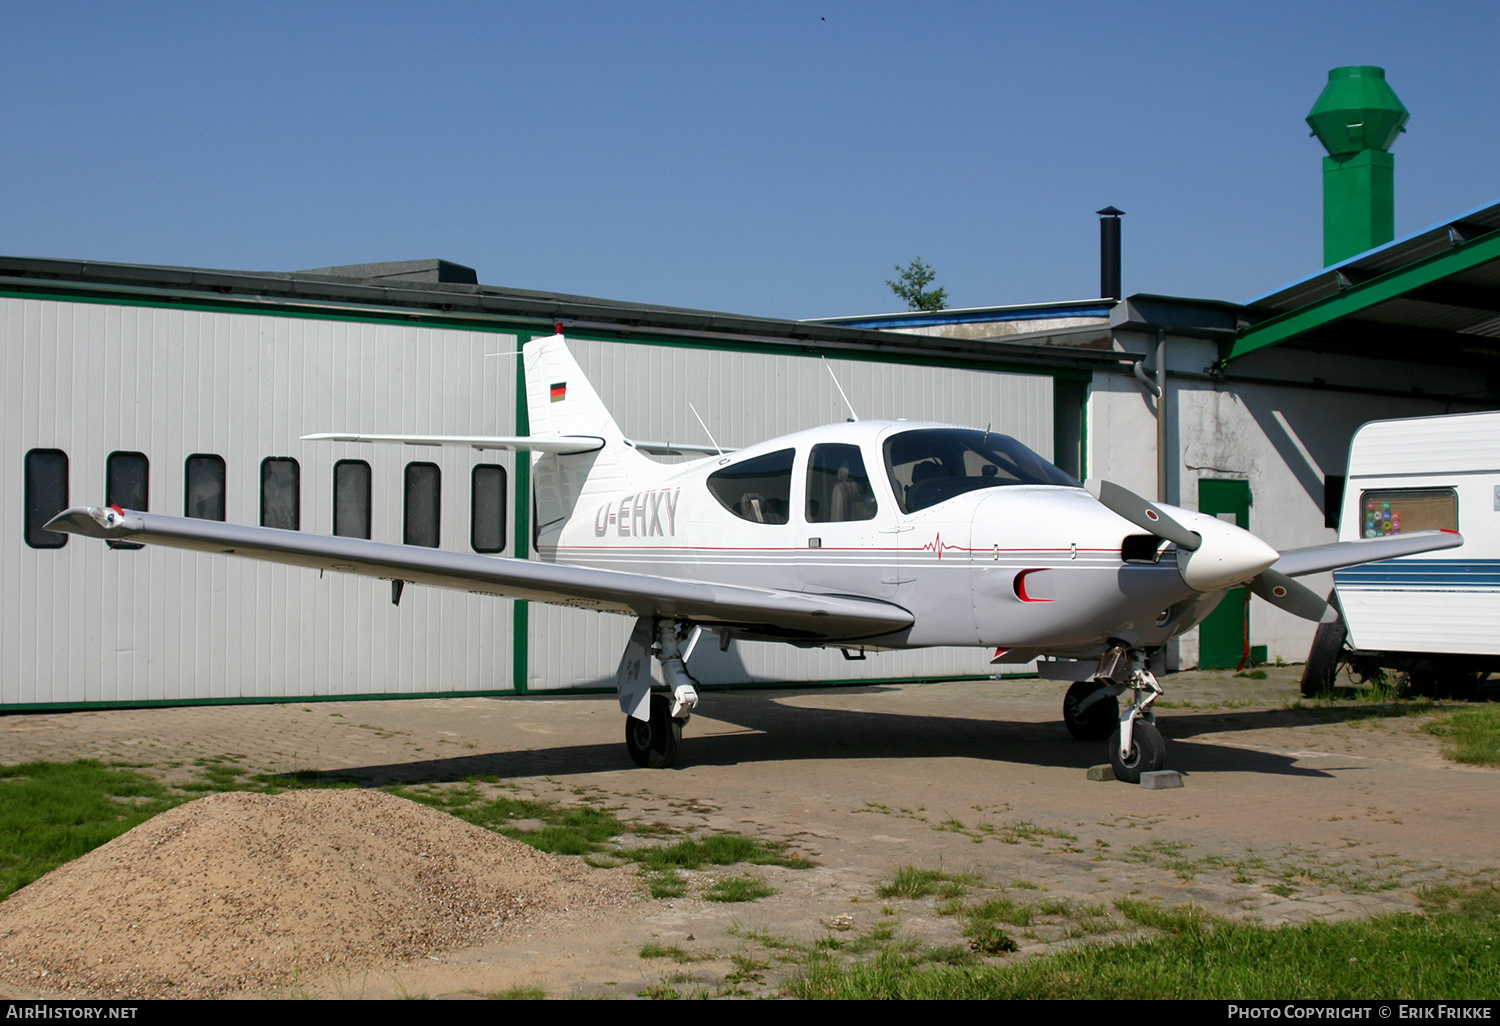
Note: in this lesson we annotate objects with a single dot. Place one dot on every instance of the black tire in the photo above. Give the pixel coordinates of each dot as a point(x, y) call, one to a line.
point(1096, 722)
point(1326, 654)
point(653, 743)
point(1147, 752)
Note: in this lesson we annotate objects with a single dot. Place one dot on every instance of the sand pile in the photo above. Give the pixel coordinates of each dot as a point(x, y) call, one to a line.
point(245, 892)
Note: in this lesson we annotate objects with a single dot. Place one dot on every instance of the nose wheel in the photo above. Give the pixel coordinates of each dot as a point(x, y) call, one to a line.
point(1091, 712)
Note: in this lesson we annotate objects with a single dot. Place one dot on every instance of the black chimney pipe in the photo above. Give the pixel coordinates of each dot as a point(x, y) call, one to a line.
point(1109, 252)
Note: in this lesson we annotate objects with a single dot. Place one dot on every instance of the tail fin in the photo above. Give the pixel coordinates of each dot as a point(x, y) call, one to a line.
point(561, 401)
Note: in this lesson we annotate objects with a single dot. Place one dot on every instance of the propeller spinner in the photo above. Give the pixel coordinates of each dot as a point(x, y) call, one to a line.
point(1213, 555)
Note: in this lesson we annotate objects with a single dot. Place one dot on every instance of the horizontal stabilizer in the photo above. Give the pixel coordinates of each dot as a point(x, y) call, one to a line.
point(758, 612)
point(556, 445)
point(1335, 555)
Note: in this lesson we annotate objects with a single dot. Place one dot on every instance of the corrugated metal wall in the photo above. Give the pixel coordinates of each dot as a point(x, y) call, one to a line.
point(85, 623)
point(746, 398)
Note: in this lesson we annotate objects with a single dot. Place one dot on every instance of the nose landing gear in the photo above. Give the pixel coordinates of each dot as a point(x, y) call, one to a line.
point(1091, 712)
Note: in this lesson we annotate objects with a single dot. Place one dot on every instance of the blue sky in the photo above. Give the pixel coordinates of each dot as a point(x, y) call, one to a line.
point(772, 158)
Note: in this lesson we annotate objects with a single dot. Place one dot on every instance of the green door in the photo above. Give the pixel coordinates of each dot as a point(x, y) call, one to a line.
point(1224, 638)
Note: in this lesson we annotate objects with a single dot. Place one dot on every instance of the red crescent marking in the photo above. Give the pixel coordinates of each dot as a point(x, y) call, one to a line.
point(1020, 586)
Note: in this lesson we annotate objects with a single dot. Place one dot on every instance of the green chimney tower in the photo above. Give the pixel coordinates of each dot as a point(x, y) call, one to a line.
point(1357, 118)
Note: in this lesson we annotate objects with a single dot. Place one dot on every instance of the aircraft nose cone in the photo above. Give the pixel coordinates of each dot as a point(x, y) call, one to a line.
point(1228, 556)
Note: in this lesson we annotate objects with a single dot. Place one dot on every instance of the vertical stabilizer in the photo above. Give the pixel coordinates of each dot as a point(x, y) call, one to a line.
point(561, 401)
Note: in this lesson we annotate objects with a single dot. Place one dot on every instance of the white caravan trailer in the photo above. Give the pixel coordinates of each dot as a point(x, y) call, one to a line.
point(1435, 617)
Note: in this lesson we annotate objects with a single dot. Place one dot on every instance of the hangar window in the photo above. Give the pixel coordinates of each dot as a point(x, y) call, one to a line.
point(1404, 510)
point(423, 504)
point(758, 490)
point(46, 496)
point(487, 510)
point(351, 499)
point(280, 493)
point(838, 489)
point(126, 475)
point(204, 498)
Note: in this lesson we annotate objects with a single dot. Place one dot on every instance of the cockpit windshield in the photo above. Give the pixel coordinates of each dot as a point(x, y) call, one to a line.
point(929, 465)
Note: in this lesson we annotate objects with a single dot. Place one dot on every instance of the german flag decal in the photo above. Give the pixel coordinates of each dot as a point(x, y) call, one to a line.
point(559, 391)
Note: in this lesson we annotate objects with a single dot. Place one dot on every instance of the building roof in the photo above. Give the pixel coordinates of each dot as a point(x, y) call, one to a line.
point(1433, 295)
point(443, 292)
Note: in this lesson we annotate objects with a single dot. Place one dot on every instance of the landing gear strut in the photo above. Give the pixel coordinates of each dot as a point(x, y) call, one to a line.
point(654, 720)
point(1091, 712)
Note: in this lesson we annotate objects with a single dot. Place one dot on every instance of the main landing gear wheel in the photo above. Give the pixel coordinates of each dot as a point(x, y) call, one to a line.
point(1096, 722)
point(653, 743)
point(1148, 751)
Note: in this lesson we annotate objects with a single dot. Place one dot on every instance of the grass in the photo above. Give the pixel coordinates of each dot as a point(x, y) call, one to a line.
point(53, 812)
point(738, 888)
point(1470, 735)
point(1452, 951)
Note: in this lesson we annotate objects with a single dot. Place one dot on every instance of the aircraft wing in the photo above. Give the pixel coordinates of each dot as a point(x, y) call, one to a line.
point(557, 445)
point(1318, 558)
point(763, 612)
point(562, 445)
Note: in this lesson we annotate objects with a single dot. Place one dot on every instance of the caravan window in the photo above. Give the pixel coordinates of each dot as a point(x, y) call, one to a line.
point(758, 490)
point(1390, 511)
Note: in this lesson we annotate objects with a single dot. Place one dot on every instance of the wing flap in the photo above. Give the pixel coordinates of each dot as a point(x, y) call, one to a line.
point(761, 611)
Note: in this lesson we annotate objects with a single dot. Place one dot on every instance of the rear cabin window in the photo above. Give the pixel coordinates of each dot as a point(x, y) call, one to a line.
point(351, 499)
point(46, 496)
point(930, 465)
point(838, 489)
point(758, 490)
point(1404, 510)
point(280, 493)
point(423, 504)
point(204, 495)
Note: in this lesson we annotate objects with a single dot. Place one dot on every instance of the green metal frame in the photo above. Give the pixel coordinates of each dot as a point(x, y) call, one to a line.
point(1351, 301)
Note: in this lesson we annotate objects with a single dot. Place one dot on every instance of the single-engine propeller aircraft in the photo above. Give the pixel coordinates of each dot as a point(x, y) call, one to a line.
point(863, 535)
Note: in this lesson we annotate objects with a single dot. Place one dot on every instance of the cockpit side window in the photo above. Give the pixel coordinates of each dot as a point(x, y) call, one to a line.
point(758, 490)
point(929, 465)
point(838, 489)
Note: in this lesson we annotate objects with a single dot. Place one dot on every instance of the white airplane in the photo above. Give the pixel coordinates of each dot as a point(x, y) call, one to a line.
point(863, 535)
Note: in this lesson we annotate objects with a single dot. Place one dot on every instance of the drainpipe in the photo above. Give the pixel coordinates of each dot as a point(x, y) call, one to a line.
point(1161, 415)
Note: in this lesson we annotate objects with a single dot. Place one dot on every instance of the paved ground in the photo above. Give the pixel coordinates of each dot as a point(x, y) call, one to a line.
point(1285, 815)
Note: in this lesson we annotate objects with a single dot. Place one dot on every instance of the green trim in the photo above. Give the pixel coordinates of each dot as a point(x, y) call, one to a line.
point(360, 313)
point(381, 696)
point(174, 703)
point(317, 310)
point(814, 350)
point(1351, 301)
point(520, 624)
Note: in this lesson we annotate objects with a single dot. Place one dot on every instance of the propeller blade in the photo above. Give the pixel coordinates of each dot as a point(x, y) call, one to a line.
point(1296, 598)
point(1145, 515)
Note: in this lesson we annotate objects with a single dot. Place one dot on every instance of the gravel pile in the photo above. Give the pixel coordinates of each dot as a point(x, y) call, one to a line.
point(238, 892)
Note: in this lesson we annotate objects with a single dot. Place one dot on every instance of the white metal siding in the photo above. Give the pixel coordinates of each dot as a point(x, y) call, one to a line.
point(85, 623)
